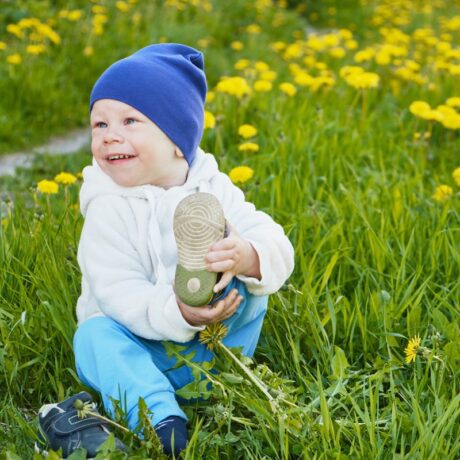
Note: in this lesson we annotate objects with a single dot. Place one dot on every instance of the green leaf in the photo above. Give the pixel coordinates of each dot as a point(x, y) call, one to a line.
point(232, 378)
point(106, 447)
point(12, 456)
point(79, 454)
point(339, 363)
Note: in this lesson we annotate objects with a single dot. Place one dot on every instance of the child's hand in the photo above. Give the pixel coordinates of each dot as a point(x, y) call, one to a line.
point(223, 309)
point(232, 256)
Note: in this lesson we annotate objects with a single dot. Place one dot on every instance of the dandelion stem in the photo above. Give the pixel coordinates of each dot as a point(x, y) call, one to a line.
point(121, 427)
point(251, 376)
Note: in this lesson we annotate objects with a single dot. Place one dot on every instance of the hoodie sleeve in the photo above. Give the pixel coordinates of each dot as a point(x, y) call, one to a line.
point(111, 264)
point(275, 251)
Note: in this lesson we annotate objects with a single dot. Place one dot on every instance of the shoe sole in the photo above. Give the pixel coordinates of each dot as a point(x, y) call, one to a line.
point(199, 222)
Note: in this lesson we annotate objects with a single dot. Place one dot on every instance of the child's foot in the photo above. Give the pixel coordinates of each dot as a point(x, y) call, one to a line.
point(60, 427)
point(198, 223)
point(173, 435)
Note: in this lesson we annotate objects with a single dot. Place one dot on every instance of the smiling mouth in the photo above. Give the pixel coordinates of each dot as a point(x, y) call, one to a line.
point(119, 158)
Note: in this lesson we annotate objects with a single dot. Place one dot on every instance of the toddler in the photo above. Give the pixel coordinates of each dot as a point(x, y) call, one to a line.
point(165, 232)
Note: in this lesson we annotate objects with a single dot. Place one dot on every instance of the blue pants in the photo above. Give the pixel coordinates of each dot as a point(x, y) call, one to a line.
point(119, 364)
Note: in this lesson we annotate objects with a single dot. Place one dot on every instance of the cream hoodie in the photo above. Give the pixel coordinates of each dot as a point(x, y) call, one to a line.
point(127, 251)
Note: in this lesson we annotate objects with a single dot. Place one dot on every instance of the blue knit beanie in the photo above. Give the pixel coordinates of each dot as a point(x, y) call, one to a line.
point(166, 82)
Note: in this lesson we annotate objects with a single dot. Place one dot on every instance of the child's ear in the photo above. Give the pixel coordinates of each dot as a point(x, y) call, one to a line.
point(178, 152)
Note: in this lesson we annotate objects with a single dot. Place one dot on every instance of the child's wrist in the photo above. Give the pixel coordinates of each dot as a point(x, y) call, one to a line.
point(253, 269)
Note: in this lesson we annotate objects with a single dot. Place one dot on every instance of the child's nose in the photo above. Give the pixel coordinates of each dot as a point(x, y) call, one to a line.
point(112, 135)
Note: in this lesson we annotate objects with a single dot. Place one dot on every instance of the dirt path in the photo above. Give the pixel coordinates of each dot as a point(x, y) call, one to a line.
point(70, 143)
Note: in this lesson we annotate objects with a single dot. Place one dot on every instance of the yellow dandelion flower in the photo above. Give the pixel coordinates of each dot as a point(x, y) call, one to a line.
point(419, 107)
point(450, 120)
point(382, 58)
point(411, 349)
point(247, 131)
point(136, 18)
point(99, 9)
point(122, 6)
point(98, 29)
point(454, 69)
point(304, 79)
point(88, 51)
point(100, 19)
point(241, 174)
point(351, 44)
point(337, 52)
point(27, 23)
point(451, 102)
point(442, 193)
point(349, 70)
point(253, 29)
point(241, 64)
point(210, 96)
point(261, 66)
point(346, 34)
point(236, 45)
point(2, 46)
point(65, 178)
point(15, 30)
point(48, 187)
point(35, 49)
point(209, 120)
point(14, 59)
point(363, 80)
point(75, 15)
point(236, 86)
point(288, 88)
point(456, 176)
point(203, 43)
point(212, 335)
point(248, 147)
point(263, 86)
point(48, 32)
point(268, 75)
point(364, 55)
point(278, 46)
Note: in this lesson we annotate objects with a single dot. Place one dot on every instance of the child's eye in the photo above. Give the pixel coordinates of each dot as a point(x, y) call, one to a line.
point(130, 121)
point(100, 124)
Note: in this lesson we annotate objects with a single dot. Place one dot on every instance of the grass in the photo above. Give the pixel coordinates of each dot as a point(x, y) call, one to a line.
point(377, 257)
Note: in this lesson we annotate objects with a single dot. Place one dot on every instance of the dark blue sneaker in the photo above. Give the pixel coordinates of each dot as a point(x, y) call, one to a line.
point(60, 427)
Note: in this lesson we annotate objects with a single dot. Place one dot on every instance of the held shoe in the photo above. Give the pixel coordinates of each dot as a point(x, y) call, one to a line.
point(60, 427)
point(198, 223)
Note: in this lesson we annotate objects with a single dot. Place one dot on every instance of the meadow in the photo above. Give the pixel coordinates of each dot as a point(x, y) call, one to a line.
point(341, 120)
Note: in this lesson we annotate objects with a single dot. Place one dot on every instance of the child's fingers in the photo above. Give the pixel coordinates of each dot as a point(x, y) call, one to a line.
point(233, 307)
point(222, 266)
point(218, 311)
point(222, 245)
point(216, 256)
point(223, 282)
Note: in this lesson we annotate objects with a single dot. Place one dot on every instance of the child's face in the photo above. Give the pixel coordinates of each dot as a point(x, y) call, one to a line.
point(119, 129)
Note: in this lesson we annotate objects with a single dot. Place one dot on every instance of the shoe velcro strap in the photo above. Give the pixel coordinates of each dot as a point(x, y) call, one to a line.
point(69, 422)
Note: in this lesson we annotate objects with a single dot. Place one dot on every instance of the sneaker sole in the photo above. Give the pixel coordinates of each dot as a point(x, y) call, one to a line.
point(199, 222)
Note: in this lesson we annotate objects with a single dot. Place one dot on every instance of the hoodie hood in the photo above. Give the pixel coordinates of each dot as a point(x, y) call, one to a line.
point(96, 182)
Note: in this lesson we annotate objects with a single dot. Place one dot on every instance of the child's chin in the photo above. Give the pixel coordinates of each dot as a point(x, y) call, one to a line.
point(125, 181)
